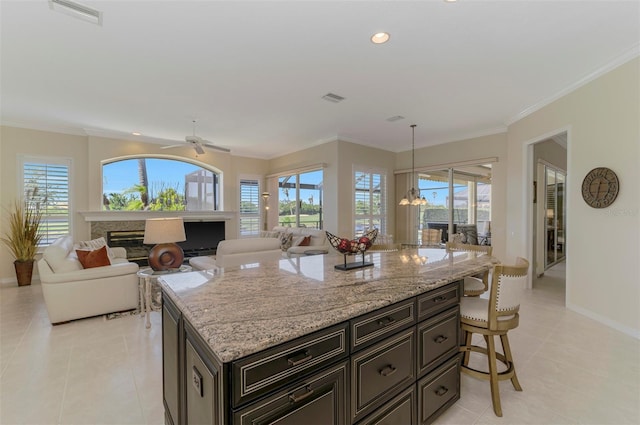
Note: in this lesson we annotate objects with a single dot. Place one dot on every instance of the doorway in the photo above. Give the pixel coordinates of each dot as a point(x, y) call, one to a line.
point(549, 220)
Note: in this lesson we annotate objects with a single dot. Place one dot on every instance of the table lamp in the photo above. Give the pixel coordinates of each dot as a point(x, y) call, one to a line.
point(165, 232)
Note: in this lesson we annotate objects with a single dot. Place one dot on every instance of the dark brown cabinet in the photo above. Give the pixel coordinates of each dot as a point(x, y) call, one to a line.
point(438, 390)
point(171, 362)
point(319, 399)
point(201, 388)
point(258, 374)
point(380, 371)
point(395, 365)
point(401, 409)
point(437, 339)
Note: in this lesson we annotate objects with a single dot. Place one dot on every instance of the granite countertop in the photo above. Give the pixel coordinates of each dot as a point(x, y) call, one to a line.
point(246, 309)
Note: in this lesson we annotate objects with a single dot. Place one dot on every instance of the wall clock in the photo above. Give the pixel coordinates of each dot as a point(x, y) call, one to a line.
point(600, 187)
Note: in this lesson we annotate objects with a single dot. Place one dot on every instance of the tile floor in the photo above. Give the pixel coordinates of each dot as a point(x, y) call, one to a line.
point(573, 370)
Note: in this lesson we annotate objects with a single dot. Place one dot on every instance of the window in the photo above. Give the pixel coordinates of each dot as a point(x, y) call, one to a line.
point(300, 199)
point(370, 201)
point(249, 208)
point(159, 184)
point(45, 183)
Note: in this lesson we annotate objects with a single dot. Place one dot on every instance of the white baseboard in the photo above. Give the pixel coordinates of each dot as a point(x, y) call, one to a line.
point(634, 333)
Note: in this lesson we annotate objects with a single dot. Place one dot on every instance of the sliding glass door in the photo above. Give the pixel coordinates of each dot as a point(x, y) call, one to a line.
point(458, 202)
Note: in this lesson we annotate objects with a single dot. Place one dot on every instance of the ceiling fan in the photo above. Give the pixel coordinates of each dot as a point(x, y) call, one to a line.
point(198, 143)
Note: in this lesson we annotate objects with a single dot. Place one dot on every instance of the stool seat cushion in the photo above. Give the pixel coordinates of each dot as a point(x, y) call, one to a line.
point(473, 284)
point(477, 309)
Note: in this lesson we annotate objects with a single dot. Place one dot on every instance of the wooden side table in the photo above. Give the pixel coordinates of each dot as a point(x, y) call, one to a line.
point(147, 277)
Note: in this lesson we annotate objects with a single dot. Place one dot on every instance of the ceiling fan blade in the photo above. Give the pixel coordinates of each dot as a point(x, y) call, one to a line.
point(212, 146)
point(172, 146)
point(198, 148)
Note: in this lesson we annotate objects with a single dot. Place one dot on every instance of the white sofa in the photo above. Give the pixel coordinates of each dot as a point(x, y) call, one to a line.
point(235, 252)
point(71, 292)
point(318, 239)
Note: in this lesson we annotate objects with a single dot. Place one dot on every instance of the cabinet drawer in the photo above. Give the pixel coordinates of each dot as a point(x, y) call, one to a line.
point(257, 374)
point(437, 339)
point(380, 371)
point(319, 399)
point(400, 410)
point(438, 390)
point(439, 299)
point(373, 327)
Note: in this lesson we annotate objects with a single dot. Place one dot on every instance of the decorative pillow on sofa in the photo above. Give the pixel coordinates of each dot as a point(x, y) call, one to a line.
point(95, 258)
point(301, 241)
point(286, 239)
point(93, 245)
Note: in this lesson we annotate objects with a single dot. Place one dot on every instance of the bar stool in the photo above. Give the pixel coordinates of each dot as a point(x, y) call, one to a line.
point(492, 317)
point(473, 286)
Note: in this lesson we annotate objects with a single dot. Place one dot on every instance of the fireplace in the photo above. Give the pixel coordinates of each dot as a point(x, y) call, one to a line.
point(202, 239)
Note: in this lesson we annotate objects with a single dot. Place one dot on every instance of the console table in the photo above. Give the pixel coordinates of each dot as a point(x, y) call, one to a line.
point(296, 341)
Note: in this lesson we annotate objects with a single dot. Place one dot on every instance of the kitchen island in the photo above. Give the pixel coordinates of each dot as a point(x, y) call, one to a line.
point(296, 341)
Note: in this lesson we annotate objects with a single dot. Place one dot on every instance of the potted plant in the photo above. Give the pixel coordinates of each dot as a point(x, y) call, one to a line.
point(22, 236)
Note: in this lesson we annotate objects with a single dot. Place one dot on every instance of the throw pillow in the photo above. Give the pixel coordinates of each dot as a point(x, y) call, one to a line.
point(286, 239)
point(306, 241)
point(95, 258)
point(95, 244)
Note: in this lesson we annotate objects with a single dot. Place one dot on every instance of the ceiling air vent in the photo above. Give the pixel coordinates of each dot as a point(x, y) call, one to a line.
point(331, 97)
point(77, 10)
point(396, 118)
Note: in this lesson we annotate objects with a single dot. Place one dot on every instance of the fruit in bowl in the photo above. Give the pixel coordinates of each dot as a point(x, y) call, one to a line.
point(353, 246)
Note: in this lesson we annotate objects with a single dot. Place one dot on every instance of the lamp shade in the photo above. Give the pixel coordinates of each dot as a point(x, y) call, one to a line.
point(164, 230)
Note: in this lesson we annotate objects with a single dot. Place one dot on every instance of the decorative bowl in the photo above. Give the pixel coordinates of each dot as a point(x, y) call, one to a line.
point(353, 246)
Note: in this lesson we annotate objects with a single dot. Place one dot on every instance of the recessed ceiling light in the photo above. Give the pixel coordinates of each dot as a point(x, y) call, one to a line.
point(135, 133)
point(380, 37)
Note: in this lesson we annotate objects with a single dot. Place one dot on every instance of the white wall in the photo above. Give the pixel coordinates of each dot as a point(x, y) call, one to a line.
point(602, 244)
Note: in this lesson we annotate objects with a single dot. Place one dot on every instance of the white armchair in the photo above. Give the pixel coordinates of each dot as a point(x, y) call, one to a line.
point(71, 292)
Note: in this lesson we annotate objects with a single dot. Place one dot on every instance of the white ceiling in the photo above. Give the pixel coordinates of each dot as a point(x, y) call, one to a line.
point(253, 73)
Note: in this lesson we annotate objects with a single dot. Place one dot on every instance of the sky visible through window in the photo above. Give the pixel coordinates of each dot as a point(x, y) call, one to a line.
point(119, 176)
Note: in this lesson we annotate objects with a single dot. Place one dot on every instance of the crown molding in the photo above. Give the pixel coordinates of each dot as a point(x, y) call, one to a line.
point(74, 131)
point(630, 54)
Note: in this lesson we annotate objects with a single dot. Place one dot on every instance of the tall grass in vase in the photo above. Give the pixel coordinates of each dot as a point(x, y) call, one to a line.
point(22, 237)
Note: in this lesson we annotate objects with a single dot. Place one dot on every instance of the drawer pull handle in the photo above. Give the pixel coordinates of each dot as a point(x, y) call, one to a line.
point(440, 339)
point(385, 321)
point(439, 299)
point(388, 371)
point(300, 358)
point(441, 391)
point(297, 399)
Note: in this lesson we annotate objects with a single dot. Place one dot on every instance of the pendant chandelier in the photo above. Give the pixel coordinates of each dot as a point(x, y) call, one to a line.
point(413, 195)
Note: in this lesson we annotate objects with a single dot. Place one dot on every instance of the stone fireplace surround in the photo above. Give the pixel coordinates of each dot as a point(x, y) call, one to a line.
point(103, 222)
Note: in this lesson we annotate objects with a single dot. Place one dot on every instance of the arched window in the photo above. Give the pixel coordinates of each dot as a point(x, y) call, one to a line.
point(159, 184)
